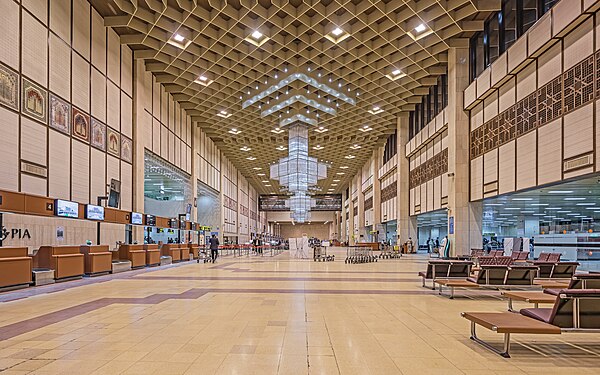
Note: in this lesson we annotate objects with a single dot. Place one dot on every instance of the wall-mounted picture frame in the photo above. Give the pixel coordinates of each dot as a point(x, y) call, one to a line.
point(98, 139)
point(113, 142)
point(60, 114)
point(126, 149)
point(81, 125)
point(9, 87)
point(35, 100)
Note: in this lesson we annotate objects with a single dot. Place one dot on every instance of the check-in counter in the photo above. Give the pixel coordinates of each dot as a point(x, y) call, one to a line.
point(97, 259)
point(185, 252)
point(134, 253)
point(66, 261)
point(194, 250)
point(172, 250)
point(152, 254)
point(15, 267)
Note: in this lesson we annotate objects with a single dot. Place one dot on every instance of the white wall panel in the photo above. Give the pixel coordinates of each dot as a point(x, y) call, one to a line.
point(60, 67)
point(80, 176)
point(126, 186)
point(98, 42)
point(126, 70)
point(549, 152)
point(59, 174)
point(113, 110)
point(490, 165)
point(33, 141)
point(60, 10)
point(526, 165)
point(550, 64)
point(9, 152)
point(81, 27)
point(579, 131)
point(506, 95)
point(526, 81)
point(113, 56)
point(98, 94)
point(81, 83)
point(477, 178)
point(98, 175)
point(112, 168)
point(35, 49)
point(126, 116)
point(579, 43)
point(506, 167)
point(33, 185)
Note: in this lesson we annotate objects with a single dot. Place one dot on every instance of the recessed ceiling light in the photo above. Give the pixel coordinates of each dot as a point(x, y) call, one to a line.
point(337, 35)
point(375, 110)
point(420, 31)
point(494, 204)
point(179, 41)
point(266, 182)
point(538, 204)
point(234, 131)
point(333, 184)
point(560, 192)
point(396, 74)
point(268, 185)
point(281, 148)
point(260, 174)
point(251, 158)
point(575, 199)
point(553, 208)
point(336, 180)
point(512, 208)
point(365, 129)
point(349, 156)
point(321, 129)
point(344, 167)
point(257, 168)
point(203, 80)
point(318, 147)
point(277, 131)
point(585, 204)
point(355, 147)
point(340, 173)
point(522, 199)
point(257, 38)
point(245, 148)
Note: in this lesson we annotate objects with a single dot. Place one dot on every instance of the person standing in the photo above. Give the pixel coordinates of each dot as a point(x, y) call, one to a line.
point(214, 247)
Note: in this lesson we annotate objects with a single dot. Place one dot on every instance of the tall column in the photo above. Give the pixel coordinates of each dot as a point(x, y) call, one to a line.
point(467, 216)
point(360, 209)
point(376, 189)
point(140, 138)
point(351, 208)
point(407, 225)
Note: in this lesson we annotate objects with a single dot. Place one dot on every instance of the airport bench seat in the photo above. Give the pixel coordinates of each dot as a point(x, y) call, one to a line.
point(97, 259)
point(446, 269)
point(15, 266)
point(492, 276)
point(66, 261)
point(556, 270)
point(133, 253)
point(574, 310)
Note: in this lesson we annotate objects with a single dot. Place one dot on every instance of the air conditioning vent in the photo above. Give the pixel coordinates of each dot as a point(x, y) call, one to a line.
point(33, 169)
point(579, 162)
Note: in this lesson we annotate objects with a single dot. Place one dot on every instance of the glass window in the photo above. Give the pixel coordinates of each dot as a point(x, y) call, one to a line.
point(547, 4)
point(509, 23)
point(477, 55)
point(492, 39)
point(529, 14)
point(411, 125)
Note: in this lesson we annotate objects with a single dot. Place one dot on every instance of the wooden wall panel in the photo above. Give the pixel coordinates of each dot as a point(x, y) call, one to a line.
point(80, 94)
point(98, 42)
point(113, 57)
point(126, 116)
point(60, 10)
point(9, 29)
point(490, 165)
point(98, 94)
point(579, 131)
point(98, 175)
point(126, 186)
point(33, 185)
point(477, 178)
point(9, 152)
point(550, 65)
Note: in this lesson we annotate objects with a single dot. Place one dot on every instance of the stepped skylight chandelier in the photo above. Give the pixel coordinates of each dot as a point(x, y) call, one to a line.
point(298, 173)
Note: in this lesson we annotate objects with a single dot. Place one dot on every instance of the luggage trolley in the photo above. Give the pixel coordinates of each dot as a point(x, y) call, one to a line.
point(389, 252)
point(320, 254)
point(359, 254)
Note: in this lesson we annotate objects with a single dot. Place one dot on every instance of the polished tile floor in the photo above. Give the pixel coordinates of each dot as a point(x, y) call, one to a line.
point(269, 315)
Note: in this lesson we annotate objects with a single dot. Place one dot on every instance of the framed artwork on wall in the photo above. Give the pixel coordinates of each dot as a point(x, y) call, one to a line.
point(9, 87)
point(81, 125)
point(98, 135)
point(126, 149)
point(113, 142)
point(60, 114)
point(34, 101)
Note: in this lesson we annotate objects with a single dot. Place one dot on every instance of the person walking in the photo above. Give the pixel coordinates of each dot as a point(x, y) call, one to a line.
point(214, 247)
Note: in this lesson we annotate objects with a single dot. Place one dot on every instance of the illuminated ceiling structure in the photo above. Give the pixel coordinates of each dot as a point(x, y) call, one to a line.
point(213, 55)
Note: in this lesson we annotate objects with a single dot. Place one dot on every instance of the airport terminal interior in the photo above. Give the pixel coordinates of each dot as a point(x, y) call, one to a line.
point(299, 187)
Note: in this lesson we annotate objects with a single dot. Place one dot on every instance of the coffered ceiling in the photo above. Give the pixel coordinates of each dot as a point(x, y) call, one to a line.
point(212, 55)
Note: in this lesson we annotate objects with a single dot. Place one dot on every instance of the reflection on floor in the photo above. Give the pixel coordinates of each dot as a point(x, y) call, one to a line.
point(267, 316)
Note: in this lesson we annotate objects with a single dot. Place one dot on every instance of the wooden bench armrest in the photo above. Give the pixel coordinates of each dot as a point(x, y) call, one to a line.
point(14, 259)
point(506, 322)
point(67, 255)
